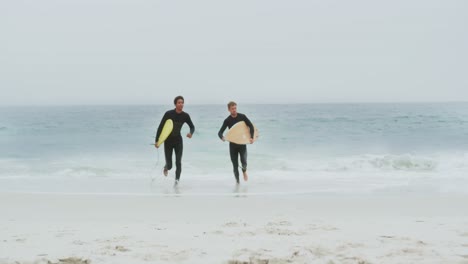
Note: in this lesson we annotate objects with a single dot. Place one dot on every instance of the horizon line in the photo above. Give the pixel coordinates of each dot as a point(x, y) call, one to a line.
point(247, 103)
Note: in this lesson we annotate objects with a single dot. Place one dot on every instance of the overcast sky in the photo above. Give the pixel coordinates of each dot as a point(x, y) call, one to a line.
point(212, 51)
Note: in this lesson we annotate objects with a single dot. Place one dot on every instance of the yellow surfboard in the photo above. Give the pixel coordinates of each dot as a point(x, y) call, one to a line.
point(166, 131)
point(240, 133)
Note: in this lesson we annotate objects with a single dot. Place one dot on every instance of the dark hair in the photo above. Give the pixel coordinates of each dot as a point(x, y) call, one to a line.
point(178, 98)
point(231, 104)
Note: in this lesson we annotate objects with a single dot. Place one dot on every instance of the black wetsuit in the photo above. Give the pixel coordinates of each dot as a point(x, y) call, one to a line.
point(174, 142)
point(237, 150)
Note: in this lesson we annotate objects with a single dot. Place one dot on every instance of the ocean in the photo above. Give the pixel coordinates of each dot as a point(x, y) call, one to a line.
point(381, 148)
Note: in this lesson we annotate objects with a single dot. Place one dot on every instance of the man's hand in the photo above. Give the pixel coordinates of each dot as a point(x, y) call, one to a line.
point(156, 145)
point(223, 139)
point(189, 135)
point(251, 141)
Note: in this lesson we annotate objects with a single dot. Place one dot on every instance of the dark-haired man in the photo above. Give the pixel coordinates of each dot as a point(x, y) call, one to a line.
point(174, 141)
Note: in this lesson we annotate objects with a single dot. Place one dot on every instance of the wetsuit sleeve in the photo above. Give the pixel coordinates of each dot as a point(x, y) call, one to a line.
point(161, 124)
point(250, 125)
point(221, 130)
point(190, 123)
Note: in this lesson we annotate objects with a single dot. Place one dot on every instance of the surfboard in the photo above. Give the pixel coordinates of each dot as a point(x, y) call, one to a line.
point(166, 131)
point(240, 133)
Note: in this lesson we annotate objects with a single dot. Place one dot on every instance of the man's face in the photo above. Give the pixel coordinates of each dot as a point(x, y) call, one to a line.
point(233, 110)
point(179, 105)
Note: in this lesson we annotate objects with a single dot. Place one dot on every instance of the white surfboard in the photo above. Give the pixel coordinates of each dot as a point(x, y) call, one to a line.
point(240, 134)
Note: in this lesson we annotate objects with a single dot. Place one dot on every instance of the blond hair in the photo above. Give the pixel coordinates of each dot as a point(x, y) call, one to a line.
point(232, 103)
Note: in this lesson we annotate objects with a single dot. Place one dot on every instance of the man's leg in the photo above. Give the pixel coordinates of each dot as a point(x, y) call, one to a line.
point(179, 148)
point(168, 148)
point(243, 158)
point(234, 159)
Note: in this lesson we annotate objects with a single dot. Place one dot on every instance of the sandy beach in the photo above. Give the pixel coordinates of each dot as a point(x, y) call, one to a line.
point(238, 228)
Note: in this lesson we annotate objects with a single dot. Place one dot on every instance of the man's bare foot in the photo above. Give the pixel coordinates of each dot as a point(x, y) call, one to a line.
point(165, 171)
point(246, 177)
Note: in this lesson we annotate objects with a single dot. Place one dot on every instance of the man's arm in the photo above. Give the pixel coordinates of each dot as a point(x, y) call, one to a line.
point(190, 123)
point(250, 125)
point(221, 130)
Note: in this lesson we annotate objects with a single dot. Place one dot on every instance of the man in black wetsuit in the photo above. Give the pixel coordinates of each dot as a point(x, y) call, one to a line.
point(174, 142)
point(237, 150)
